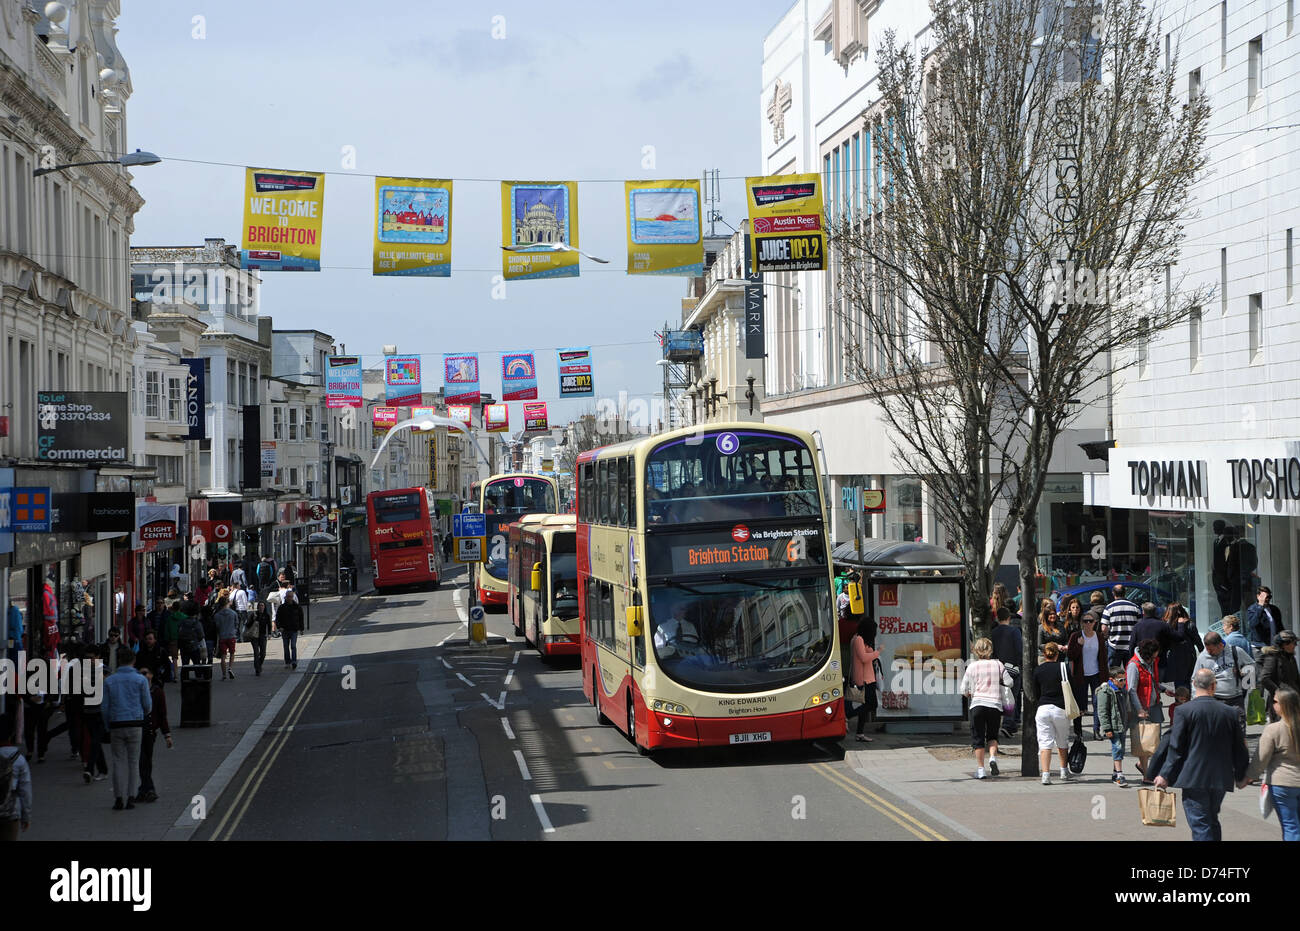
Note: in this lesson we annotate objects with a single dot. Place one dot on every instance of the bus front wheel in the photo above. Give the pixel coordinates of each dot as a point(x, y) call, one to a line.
point(601, 720)
point(631, 726)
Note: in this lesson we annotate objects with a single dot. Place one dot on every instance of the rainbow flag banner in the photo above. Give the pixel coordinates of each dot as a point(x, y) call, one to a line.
point(518, 376)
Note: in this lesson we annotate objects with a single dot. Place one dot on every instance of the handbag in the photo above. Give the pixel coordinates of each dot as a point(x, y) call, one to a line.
point(1077, 757)
point(1157, 806)
point(1265, 800)
point(856, 694)
point(1071, 705)
point(1008, 696)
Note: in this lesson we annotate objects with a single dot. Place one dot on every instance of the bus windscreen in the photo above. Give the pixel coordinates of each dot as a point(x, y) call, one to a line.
point(392, 509)
point(519, 496)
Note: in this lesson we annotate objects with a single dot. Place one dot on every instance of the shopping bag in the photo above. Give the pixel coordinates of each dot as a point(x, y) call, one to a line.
point(1265, 801)
point(1255, 708)
point(1077, 757)
point(1148, 739)
point(1071, 705)
point(1157, 807)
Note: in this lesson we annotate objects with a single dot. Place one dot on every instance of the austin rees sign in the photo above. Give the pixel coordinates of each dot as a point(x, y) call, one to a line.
point(83, 426)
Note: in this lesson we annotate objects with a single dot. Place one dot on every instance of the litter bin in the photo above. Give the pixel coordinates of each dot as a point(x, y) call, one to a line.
point(196, 696)
point(345, 580)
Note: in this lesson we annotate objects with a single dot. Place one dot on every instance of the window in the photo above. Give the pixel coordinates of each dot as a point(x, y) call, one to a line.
point(252, 384)
point(152, 394)
point(175, 402)
point(293, 476)
point(1194, 336)
point(1256, 325)
point(622, 493)
point(1194, 86)
point(1254, 70)
point(602, 491)
point(1290, 266)
point(835, 181)
point(232, 385)
point(277, 422)
point(1143, 346)
point(1223, 33)
point(309, 423)
point(293, 425)
point(1223, 281)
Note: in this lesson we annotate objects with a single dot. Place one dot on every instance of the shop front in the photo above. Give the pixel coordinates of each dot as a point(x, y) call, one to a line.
point(295, 521)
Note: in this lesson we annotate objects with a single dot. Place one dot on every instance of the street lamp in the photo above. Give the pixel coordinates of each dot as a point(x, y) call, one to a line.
point(130, 160)
point(749, 392)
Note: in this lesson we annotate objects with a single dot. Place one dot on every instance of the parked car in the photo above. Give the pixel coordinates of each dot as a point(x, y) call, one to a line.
point(1136, 592)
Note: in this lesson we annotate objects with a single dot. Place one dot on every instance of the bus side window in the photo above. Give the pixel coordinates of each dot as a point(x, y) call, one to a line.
point(621, 491)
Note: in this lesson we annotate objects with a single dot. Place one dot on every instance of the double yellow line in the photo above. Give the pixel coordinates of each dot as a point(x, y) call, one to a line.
point(919, 829)
point(244, 797)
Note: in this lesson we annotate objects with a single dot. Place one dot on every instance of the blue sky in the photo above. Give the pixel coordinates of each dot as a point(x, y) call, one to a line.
point(574, 91)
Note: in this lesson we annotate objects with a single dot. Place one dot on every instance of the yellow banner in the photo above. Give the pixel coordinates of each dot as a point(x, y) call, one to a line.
point(787, 223)
point(412, 227)
point(283, 214)
point(663, 228)
point(539, 224)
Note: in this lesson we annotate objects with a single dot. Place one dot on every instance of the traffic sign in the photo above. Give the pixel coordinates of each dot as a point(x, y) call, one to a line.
point(318, 512)
point(470, 549)
point(476, 613)
point(469, 525)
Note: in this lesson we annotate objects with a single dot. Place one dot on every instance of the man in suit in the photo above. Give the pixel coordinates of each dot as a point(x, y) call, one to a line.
point(1206, 757)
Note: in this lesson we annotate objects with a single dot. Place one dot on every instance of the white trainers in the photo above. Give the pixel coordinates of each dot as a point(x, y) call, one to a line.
point(979, 773)
point(993, 765)
point(1065, 773)
point(1047, 779)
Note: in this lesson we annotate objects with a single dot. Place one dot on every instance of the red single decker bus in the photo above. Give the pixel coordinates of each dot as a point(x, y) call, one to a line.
point(403, 545)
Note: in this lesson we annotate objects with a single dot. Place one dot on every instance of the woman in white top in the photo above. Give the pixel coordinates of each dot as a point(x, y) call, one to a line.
point(1089, 664)
point(983, 683)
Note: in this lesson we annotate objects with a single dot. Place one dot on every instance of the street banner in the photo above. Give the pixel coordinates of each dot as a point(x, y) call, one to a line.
point(343, 381)
point(787, 223)
point(462, 412)
point(496, 418)
point(402, 383)
point(755, 309)
point(412, 227)
point(575, 373)
point(518, 376)
point(537, 216)
point(385, 418)
point(535, 417)
point(920, 638)
point(283, 214)
point(663, 228)
point(83, 426)
point(418, 413)
point(196, 399)
point(270, 459)
point(460, 377)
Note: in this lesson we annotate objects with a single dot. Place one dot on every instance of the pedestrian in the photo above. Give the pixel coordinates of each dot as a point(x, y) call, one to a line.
point(1278, 669)
point(1088, 655)
point(136, 627)
point(288, 573)
point(191, 637)
point(178, 579)
point(240, 606)
point(15, 779)
point(227, 622)
point(1050, 629)
point(1071, 612)
point(1232, 634)
point(237, 577)
point(36, 724)
point(1185, 645)
point(1233, 671)
point(94, 763)
point(1051, 721)
point(1120, 617)
point(1263, 619)
point(1008, 649)
point(171, 640)
point(155, 724)
point(108, 649)
point(288, 619)
point(446, 547)
point(259, 625)
point(13, 639)
point(1113, 714)
point(1206, 757)
point(1096, 606)
point(127, 705)
point(1278, 761)
point(1143, 681)
point(982, 683)
point(265, 574)
point(1150, 627)
point(207, 617)
point(865, 655)
point(151, 654)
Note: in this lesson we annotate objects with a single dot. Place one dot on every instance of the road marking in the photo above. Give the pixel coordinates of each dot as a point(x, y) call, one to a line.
point(509, 675)
point(463, 679)
point(586, 738)
point(541, 814)
point(518, 653)
point(264, 765)
point(892, 812)
point(444, 640)
point(510, 735)
point(444, 662)
point(523, 767)
point(568, 717)
point(499, 704)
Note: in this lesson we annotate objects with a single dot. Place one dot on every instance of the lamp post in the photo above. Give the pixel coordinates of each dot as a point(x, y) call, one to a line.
point(749, 392)
point(130, 160)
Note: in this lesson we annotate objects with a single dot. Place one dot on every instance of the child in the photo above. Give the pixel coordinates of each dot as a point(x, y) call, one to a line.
point(1181, 697)
point(1112, 713)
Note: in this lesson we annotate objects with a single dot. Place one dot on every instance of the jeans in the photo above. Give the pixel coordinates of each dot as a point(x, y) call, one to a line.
point(212, 651)
point(92, 743)
point(36, 727)
point(259, 653)
point(126, 760)
point(1286, 800)
point(1202, 809)
point(147, 739)
point(290, 638)
point(1087, 685)
point(1117, 748)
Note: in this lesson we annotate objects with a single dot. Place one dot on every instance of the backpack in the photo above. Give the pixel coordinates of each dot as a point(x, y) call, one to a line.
point(191, 633)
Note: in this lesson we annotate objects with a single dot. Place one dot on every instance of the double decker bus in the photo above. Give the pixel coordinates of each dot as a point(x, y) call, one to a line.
point(503, 499)
point(544, 583)
point(705, 586)
point(404, 548)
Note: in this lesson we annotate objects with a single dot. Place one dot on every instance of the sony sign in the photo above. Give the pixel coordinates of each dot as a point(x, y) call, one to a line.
point(196, 400)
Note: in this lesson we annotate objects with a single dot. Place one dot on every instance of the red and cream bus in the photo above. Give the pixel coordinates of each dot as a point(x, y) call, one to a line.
point(503, 499)
point(705, 586)
point(543, 599)
point(404, 548)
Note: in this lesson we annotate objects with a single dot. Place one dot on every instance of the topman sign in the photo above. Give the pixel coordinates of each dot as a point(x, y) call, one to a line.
point(1253, 477)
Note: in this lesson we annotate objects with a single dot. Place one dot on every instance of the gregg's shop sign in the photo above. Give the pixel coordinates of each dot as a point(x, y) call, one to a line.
point(1261, 478)
point(83, 426)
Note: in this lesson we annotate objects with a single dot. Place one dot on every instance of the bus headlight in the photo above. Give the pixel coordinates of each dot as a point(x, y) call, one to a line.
point(669, 707)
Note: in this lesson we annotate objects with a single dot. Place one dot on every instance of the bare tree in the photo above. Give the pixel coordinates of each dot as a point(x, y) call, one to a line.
point(1034, 171)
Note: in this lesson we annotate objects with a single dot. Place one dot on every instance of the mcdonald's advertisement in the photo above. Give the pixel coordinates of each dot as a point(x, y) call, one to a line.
point(663, 228)
point(283, 215)
point(787, 223)
point(412, 228)
point(536, 218)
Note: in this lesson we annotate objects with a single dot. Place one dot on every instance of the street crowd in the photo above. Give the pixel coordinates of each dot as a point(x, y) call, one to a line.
point(182, 630)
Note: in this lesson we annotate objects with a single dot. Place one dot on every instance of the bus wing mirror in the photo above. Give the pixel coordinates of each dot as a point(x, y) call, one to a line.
point(855, 598)
point(535, 583)
point(635, 620)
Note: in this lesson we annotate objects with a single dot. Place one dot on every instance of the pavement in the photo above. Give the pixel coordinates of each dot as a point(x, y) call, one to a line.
point(191, 775)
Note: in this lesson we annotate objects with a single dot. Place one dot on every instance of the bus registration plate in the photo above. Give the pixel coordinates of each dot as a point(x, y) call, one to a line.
point(757, 737)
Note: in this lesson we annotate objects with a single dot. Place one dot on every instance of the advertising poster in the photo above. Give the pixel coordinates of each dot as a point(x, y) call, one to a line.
point(385, 418)
point(322, 568)
point(343, 381)
point(535, 417)
point(460, 377)
point(518, 376)
point(196, 399)
point(283, 215)
point(663, 228)
point(787, 223)
point(496, 418)
point(537, 216)
point(412, 227)
point(83, 426)
point(402, 383)
point(155, 524)
point(270, 458)
point(920, 638)
point(575, 373)
point(461, 412)
point(418, 413)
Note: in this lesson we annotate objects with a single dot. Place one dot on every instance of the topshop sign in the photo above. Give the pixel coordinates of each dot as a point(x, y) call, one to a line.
point(1256, 478)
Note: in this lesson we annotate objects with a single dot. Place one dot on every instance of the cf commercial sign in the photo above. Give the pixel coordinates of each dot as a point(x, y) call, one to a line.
point(82, 426)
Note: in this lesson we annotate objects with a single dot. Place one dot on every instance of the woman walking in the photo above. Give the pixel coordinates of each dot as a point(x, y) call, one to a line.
point(864, 655)
point(1144, 697)
point(1089, 665)
point(259, 626)
point(289, 620)
point(1279, 761)
point(1184, 646)
point(983, 683)
point(1051, 721)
